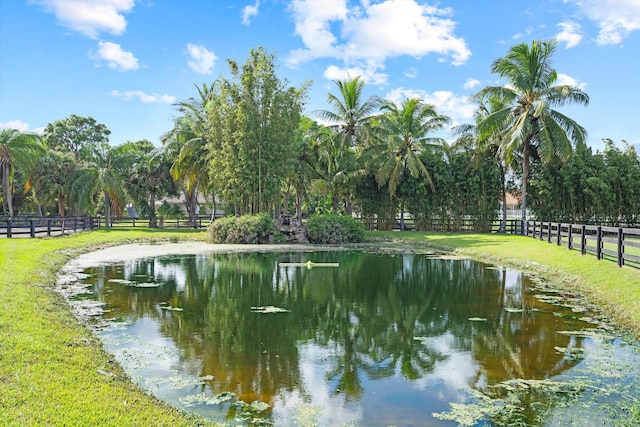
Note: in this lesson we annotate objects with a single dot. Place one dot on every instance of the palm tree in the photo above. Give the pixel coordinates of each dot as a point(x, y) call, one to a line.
point(336, 165)
point(468, 138)
point(350, 126)
point(351, 116)
point(529, 117)
point(99, 178)
point(185, 146)
point(18, 151)
point(405, 133)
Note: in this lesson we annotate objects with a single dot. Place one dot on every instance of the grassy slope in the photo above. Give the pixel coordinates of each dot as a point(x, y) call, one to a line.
point(616, 290)
point(49, 364)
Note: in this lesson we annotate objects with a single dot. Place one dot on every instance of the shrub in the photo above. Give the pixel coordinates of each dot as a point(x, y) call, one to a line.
point(329, 229)
point(245, 229)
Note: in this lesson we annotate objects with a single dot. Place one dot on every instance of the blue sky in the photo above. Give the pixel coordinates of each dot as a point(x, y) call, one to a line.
point(125, 62)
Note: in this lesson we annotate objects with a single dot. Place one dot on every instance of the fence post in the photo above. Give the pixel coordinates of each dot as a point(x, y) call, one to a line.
point(583, 239)
point(534, 230)
point(32, 228)
point(599, 242)
point(620, 247)
point(8, 228)
point(570, 237)
point(559, 239)
point(49, 227)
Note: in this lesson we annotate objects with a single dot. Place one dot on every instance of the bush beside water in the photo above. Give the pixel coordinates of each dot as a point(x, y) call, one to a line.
point(328, 229)
point(245, 229)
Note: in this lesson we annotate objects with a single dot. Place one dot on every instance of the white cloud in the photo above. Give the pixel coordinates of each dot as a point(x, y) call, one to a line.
point(250, 11)
point(411, 72)
point(21, 126)
point(616, 18)
point(458, 108)
point(570, 34)
point(564, 79)
point(471, 83)
point(370, 76)
point(371, 33)
point(202, 59)
point(128, 95)
point(15, 124)
point(115, 57)
point(90, 17)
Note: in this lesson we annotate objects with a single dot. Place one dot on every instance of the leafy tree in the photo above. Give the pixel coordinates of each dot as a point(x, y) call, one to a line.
point(252, 132)
point(76, 134)
point(405, 132)
point(19, 151)
point(530, 119)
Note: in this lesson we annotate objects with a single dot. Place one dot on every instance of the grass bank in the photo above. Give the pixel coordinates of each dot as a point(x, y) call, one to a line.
point(52, 370)
point(615, 290)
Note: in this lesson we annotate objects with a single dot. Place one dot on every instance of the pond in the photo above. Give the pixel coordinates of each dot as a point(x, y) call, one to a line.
point(360, 338)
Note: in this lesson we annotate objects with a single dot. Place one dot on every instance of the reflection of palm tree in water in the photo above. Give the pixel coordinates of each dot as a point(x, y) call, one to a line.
point(525, 339)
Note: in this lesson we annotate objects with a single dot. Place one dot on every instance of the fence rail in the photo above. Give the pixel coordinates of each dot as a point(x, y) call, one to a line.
point(44, 226)
point(618, 243)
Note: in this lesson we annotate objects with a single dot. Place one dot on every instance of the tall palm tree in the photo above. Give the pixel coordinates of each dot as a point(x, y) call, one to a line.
point(186, 148)
point(405, 131)
point(18, 151)
point(531, 121)
point(351, 116)
point(350, 127)
point(490, 145)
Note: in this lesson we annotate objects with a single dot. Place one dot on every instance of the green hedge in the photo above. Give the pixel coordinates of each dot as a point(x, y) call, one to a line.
point(245, 229)
point(328, 229)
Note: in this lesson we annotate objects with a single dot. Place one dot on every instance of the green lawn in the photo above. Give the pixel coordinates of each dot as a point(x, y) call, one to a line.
point(53, 372)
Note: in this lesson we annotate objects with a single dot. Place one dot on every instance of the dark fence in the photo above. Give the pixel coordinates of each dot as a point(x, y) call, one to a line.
point(202, 221)
point(449, 225)
point(617, 243)
point(36, 226)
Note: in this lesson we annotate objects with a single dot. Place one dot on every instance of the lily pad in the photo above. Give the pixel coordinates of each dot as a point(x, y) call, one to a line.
point(269, 309)
point(478, 319)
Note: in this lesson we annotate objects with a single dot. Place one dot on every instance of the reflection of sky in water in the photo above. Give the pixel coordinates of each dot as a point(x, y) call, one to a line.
point(148, 350)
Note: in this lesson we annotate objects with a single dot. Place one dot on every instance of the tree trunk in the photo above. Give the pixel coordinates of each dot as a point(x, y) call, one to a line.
point(61, 205)
point(525, 178)
point(107, 209)
point(503, 222)
point(348, 205)
point(6, 190)
point(299, 194)
point(402, 214)
point(335, 203)
point(153, 218)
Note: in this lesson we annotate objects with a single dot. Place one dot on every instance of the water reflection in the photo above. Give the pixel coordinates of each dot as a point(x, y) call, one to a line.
point(380, 340)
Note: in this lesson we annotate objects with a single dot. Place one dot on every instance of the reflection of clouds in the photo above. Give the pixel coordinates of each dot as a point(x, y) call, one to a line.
point(315, 362)
point(159, 271)
point(453, 375)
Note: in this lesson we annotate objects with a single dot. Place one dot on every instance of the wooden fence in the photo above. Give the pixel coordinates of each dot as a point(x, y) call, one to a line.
point(202, 221)
point(617, 243)
point(448, 225)
point(28, 226)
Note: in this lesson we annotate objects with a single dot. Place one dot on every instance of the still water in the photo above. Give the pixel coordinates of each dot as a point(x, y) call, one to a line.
point(379, 340)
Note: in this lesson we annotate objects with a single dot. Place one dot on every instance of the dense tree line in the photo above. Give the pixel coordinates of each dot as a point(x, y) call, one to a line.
point(244, 144)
